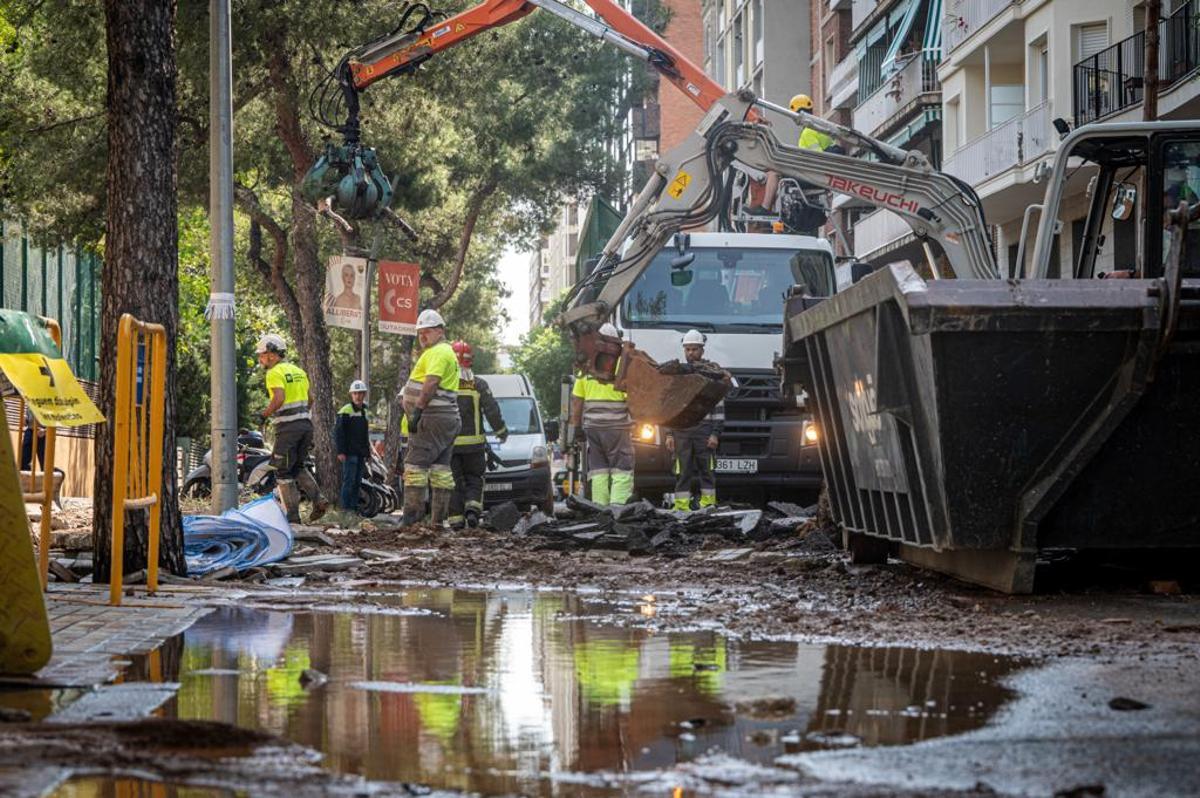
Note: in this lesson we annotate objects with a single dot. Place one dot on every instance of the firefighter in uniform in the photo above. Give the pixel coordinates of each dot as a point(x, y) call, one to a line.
point(431, 417)
point(289, 410)
point(469, 461)
point(695, 449)
point(604, 415)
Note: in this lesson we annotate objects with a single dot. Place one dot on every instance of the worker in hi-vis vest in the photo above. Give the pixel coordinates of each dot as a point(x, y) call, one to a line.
point(604, 415)
point(469, 460)
point(695, 448)
point(288, 409)
point(431, 422)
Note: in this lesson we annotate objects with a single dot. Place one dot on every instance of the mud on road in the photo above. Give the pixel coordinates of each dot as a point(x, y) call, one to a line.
point(800, 587)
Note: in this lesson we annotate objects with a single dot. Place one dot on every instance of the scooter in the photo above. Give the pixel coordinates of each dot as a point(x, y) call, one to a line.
point(254, 468)
point(375, 495)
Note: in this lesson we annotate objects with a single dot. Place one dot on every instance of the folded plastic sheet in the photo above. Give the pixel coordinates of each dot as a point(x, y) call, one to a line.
point(256, 533)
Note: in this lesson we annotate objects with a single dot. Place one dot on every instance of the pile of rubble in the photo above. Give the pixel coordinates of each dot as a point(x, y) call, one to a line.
point(642, 528)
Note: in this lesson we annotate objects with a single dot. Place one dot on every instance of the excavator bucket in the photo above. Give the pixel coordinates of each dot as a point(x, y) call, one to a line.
point(671, 395)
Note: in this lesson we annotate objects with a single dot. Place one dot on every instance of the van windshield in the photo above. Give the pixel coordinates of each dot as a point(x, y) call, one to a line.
point(732, 288)
point(520, 416)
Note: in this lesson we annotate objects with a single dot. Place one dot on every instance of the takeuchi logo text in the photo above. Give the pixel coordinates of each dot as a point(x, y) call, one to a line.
point(874, 194)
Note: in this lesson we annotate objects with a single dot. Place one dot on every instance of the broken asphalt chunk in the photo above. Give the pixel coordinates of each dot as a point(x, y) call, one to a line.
point(504, 517)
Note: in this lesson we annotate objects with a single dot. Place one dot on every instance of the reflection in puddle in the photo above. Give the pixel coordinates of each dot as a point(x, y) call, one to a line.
point(136, 788)
point(519, 685)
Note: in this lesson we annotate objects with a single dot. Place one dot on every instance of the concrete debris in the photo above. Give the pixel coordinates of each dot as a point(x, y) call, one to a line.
point(316, 562)
point(641, 528)
point(504, 517)
point(312, 534)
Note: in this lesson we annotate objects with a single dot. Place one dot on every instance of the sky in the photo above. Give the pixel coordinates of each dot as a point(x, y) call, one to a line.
point(514, 273)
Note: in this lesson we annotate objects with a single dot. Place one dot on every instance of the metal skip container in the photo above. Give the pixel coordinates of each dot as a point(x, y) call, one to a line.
point(976, 422)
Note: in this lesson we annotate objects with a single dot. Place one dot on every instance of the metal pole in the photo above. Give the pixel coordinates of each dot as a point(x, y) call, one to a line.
point(220, 214)
point(364, 362)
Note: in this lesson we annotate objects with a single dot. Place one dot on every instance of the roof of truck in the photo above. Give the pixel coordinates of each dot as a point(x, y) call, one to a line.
point(508, 384)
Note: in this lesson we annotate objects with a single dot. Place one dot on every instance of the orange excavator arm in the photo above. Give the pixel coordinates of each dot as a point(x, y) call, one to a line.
point(403, 51)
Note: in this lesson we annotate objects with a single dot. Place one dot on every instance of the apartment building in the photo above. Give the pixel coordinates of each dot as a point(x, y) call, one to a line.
point(877, 64)
point(1012, 68)
point(761, 44)
point(552, 267)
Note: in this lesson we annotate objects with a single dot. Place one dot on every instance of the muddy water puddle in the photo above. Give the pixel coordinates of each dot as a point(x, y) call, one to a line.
point(521, 692)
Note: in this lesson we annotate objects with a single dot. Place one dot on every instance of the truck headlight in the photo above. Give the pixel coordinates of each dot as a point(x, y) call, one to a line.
point(647, 433)
point(539, 458)
point(811, 434)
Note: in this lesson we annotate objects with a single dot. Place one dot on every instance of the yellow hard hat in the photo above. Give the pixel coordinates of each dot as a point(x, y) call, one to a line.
point(801, 102)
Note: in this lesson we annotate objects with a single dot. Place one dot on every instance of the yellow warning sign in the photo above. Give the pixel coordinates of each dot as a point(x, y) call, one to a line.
point(50, 390)
point(679, 184)
point(24, 627)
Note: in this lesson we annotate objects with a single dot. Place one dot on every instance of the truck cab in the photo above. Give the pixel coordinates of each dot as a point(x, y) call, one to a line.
point(731, 289)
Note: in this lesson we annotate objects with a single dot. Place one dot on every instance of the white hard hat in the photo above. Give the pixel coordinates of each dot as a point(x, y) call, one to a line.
point(430, 318)
point(271, 343)
point(694, 337)
point(358, 385)
point(608, 329)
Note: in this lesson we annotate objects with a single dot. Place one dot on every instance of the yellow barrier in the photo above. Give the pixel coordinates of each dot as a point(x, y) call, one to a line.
point(47, 494)
point(138, 442)
point(24, 627)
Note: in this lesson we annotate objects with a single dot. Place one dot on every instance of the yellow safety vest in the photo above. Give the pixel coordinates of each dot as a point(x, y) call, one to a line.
point(603, 405)
point(438, 361)
point(814, 140)
point(294, 383)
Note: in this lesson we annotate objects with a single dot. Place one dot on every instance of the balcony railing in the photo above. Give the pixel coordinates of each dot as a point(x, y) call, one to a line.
point(1113, 79)
point(876, 231)
point(964, 17)
point(843, 81)
point(917, 77)
point(1014, 142)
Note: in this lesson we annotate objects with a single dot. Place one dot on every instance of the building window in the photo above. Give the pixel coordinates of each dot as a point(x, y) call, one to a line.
point(739, 51)
point(1090, 39)
point(1006, 102)
point(710, 40)
point(1043, 75)
point(719, 64)
point(757, 22)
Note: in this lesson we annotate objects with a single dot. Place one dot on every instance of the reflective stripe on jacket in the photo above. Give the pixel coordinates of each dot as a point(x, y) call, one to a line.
point(475, 400)
point(438, 361)
point(352, 432)
point(603, 405)
point(294, 382)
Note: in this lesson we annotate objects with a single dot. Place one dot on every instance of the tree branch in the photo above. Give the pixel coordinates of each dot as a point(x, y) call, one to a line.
point(65, 122)
point(287, 101)
point(474, 209)
point(272, 273)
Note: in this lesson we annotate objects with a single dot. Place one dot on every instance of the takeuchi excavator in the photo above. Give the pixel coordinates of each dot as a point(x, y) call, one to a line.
point(349, 183)
point(974, 419)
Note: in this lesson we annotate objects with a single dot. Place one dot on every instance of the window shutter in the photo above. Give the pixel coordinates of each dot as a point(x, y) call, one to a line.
point(1092, 39)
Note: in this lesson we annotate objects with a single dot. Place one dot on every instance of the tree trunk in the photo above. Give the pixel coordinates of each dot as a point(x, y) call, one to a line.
point(140, 249)
point(391, 433)
point(1150, 72)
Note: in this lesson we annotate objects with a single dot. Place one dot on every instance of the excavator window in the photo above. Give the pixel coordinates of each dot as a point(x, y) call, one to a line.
point(1178, 182)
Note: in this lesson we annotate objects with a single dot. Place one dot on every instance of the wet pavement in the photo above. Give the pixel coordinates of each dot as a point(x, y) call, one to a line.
point(547, 693)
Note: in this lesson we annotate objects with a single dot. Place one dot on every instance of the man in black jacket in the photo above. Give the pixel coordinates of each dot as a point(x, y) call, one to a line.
point(351, 435)
point(469, 461)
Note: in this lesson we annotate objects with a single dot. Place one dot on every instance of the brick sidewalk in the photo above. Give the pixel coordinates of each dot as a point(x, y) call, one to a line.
point(91, 638)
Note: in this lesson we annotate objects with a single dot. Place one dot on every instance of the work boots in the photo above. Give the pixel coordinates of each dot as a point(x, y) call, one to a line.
point(309, 485)
point(290, 495)
point(439, 505)
point(414, 504)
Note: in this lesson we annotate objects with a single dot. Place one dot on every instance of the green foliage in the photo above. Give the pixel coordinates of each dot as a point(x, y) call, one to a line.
point(545, 356)
point(521, 116)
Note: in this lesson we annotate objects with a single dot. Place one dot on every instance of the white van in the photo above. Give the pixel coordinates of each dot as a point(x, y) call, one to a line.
point(523, 475)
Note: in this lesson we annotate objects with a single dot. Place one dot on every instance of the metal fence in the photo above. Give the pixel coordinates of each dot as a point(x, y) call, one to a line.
point(1114, 78)
point(58, 282)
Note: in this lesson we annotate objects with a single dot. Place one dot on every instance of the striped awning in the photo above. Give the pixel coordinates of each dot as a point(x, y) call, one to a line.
point(900, 36)
point(933, 31)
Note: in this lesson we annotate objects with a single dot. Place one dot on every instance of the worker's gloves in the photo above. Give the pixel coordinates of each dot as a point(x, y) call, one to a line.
point(414, 420)
point(712, 441)
point(670, 441)
point(502, 434)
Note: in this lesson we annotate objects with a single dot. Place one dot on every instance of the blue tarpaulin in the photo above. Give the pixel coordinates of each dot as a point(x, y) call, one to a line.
point(253, 534)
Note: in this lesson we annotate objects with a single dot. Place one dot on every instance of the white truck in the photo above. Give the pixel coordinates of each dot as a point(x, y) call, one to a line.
point(737, 286)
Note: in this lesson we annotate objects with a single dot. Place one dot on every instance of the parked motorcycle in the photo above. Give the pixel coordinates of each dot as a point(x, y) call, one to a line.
point(375, 495)
point(254, 468)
